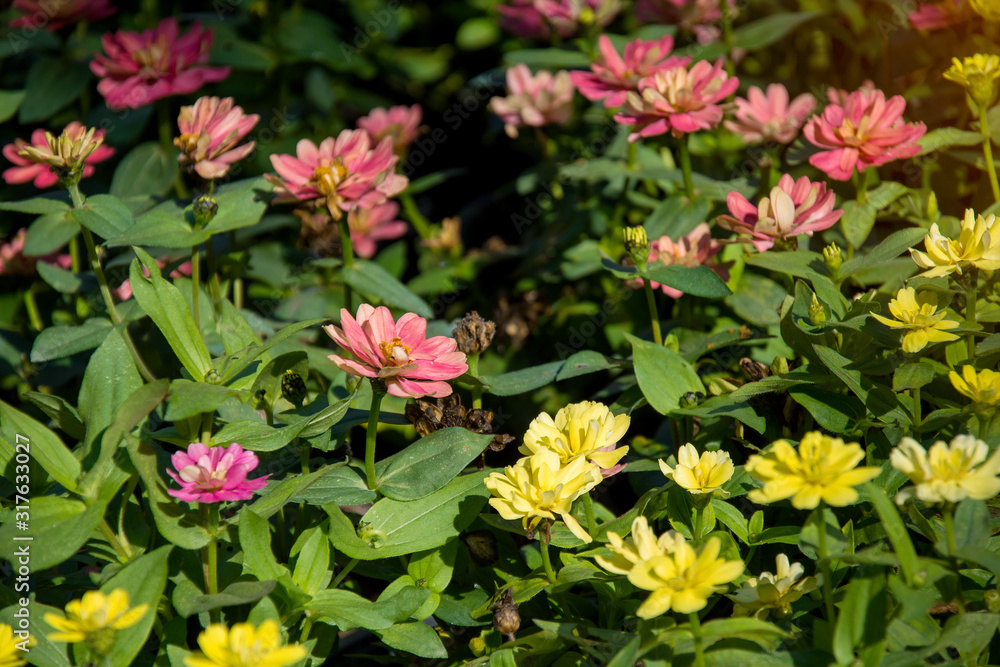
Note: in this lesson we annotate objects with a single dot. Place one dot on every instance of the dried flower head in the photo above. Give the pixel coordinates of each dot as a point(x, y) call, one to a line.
point(474, 334)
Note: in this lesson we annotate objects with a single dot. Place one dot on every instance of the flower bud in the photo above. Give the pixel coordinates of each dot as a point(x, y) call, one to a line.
point(212, 376)
point(66, 153)
point(293, 387)
point(992, 600)
point(691, 399)
point(932, 212)
point(636, 245)
point(817, 314)
point(373, 536)
point(204, 210)
point(478, 646)
point(720, 386)
point(779, 366)
point(832, 258)
point(671, 343)
point(474, 334)
point(505, 617)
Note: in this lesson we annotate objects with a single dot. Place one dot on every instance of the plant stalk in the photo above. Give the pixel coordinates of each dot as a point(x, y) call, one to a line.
point(971, 297)
point(588, 510)
point(344, 572)
point(370, 437)
point(984, 126)
point(949, 534)
point(477, 389)
point(824, 565)
point(685, 158)
point(654, 316)
point(212, 557)
point(699, 649)
point(543, 546)
point(347, 251)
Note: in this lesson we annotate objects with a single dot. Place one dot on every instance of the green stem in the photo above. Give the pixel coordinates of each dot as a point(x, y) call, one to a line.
point(765, 178)
point(477, 389)
point(344, 572)
point(166, 129)
point(207, 419)
point(984, 126)
point(74, 255)
point(236, 279)
point(698, 523)
point(420, 223)
point(214, 287)
point(348, 256)
point(727, 35)
point(824, 565)
point(212, 557)
point(862, 187)
point(543, 546)
point(34, 316)
point(699, 649)
point(123, 554)
point(588, 510)
point(949, 534)
point(654, 316)
point(133, 482)
point(377, 395)
point(685, 157)
point(306, 629)
point(196, 286)
point(916, 410)
point(971, 297)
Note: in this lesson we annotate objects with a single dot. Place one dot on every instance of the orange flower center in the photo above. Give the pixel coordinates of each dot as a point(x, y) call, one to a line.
point(187, 142)
point(853, 136)
point(327, 178)
point(395, 352)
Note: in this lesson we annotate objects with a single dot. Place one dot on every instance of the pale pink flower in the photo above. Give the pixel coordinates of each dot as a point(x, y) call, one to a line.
point(678, 101)
point(13, 261)
point(341, 173)
point(371, 225)
point(400, 123)
point(613, 76)
point(698, 248)
point(770, 117)
point(866, 131)
point(938, 15)
point(538, 18)
point(138, 68)
point(214, 474)
point(840, 96)
point(792, 208)
point(124, 291)
point(534, 100)
point(210, 131)
point(51, 15)
point(700, 17)
point(398, 353)
point(29, 170)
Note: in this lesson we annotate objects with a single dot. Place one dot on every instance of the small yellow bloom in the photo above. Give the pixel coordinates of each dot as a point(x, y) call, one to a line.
point(586, 429)
point(641, 545)
point(982, 387)
point(65, 153)
point(773, 593)
point(988, 9)
point(95, 619)
point(11, 654)
point(978, 244)
point(245, 646)
point(540, 487)
point(822, 469)
point(947, 473)
point(697, 475)
point(918, 315)
point(978, 75)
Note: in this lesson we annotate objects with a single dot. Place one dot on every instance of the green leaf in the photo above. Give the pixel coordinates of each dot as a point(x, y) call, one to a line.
point(43, 445)
point(255, 540)
point(328, 417)
point(58, 410)
point(946, 137)
point(170, 312)
point(58, 528)
point(110, 378)
point(236, 362)
point(52, 83)
point(664, 376)
point(732, 518)
point(257, 436)
point(374, 282)
point(723, 406)
point(159, 229)
point(696, 281)
point(146, 171)
point(522, 381)
point(49, 232)
point(434, 568)
point(104, 215)
point(64, 281)
point(834, 412)
point(237, 593)
point(279, 494)
point(912, 376)
point(51, 204)
point(896, 530)
point(10, 100)
point(144, 579)
point(313, 562)
point(45, 652)
point(770, 29)
point(349, 610)
point(858, 221)
point(428, 464)
point(59, 342)
point(343, 486)
point(552, 58)
point(188, 399)
point(266, 387)
point(414, 637)
point(878, 399)
point(240, 205)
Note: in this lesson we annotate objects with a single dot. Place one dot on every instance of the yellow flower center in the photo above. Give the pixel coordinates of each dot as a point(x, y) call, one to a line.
point(853, 136)
point(395, 352)
point(327, 178)
point(187, 142)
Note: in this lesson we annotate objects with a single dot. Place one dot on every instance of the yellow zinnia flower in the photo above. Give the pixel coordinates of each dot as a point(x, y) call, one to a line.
point(10, 654)
point(641, 545)
point(682, 579)
point(773, 593)
point(947, 473)
point(586, 429)
point(95, 619)
point(822, 469)
point(978, 75)
point(978, 244)
point(917, 314)
point(701, 475)
point(245, 646)
point(541, 487)
point(982, 387)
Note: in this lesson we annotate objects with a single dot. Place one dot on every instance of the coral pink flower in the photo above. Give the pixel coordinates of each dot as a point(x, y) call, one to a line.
point(701, 17)
point(371, 225)
point(210, 131)
point(124, 291)
point(793, 208)
point(51, 16)
point(398, 353)
point(865, 131)
point(214, 474)
point(341, 173)
point(678, 100)
point(534, 100)
point(13, 261)
point(138, 68)
point(399, 123)
point(698, 248)
point(770, 117)
point(28, 170)
point(613, 76)
point(538, 18)
point(938, 15)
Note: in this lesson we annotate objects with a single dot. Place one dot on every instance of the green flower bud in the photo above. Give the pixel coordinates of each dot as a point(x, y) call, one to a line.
point(478, 646)
point(832, 258)
point(636, 245)
point(293, 387)
point(204, 210)
point(779, 366)
point(817, 314)
point(671, 343)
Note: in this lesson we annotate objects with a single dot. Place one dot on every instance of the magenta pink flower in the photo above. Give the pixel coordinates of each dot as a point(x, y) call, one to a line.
point(27, 170)
point(398, 353)
point(399, 123)
point(792, 208)
point(210, 131)
point(770, 117)
point(371, 225)
point(138, 68)
point(539, 18)
point(534, 100)
point(50, 15)
point(214, 474)
point(13, 261)
point(700, 17)
point(938, 15)
point(698, 248)
point(124, 291)
point(613, 76)
point(678, 101)
point(865, 131)
point(341, 173)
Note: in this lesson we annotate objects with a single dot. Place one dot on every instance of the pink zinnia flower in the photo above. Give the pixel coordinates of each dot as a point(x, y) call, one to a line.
point(770, 117)
point(138, 68)
point(538, 18)
point(214, 474)
point(534, 100)
point(792, 208)
point(399, 123)
point(701, 17)
point(371, 225)
point(13, 261)
point(210, 131)
point(398, 353)
point(341, 173)
point(613, 76)
point(28, 170)
point(938, 15)
point(866, 131)
point(698, 248)
point(124, 291)
point(51, 15)
point(678, 100)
